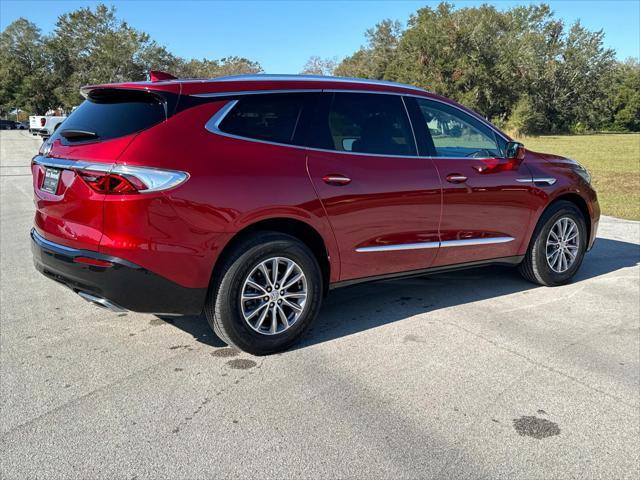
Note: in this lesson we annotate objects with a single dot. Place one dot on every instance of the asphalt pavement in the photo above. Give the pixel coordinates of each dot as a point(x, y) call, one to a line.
point(474, 374)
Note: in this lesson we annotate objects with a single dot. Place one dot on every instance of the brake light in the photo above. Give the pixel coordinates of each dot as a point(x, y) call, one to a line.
point(43, 122)
point(122, 179)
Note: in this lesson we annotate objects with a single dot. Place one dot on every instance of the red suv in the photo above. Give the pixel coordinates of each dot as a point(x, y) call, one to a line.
point(250, 197)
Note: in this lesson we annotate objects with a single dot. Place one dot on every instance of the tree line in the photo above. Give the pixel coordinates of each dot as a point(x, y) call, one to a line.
point(88, 46)
point(521, 68)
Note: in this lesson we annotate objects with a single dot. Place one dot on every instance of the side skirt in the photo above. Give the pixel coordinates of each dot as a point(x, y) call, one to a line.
point(507, 261)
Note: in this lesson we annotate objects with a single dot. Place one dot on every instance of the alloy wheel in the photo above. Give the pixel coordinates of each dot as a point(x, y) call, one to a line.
point(563, 243)
point(274, 295)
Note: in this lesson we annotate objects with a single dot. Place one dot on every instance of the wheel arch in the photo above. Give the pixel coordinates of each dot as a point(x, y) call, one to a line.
point(571, 197)
point(582, 205)
point(299, 229)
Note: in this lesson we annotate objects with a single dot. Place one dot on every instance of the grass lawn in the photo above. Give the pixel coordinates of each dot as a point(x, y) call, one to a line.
point(613, 161)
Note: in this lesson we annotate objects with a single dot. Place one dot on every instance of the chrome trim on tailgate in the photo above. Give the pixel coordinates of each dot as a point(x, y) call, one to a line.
point(66, 164)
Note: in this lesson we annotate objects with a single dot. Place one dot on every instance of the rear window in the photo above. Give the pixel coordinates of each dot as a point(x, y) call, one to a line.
point(112, 113)
point(365, 123)
point(270, 117)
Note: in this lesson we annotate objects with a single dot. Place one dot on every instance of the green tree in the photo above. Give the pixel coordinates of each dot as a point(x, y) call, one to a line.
point(623, 97)
point(372, 60)
point(25, 73)
point(319, 66)
point(93, 46)
point(520, 67)
point(215, 68)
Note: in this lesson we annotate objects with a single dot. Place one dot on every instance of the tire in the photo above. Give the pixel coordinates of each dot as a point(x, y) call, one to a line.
point(224, 308)
point(536, 267)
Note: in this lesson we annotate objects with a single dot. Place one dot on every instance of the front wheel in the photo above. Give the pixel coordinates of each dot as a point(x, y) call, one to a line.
point(266, 294)
point(557, 247)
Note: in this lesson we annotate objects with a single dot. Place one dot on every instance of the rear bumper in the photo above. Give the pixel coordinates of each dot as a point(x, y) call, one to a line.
point(124, 284)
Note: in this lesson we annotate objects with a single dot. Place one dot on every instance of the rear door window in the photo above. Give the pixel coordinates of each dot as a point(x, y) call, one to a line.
point(268, 117)
point(112, 113)
point(365, 123)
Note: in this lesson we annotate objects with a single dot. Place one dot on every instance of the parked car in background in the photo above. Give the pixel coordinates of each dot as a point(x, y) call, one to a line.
point(250, 197)
point(44, 125)
point(8, 125)
point(22, 125)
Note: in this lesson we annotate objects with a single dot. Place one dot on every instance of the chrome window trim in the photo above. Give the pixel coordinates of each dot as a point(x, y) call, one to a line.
point(212, 125)
point(334, 90)
point(445, 243)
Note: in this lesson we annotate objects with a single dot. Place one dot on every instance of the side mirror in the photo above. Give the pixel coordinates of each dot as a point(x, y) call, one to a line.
point(515, 150)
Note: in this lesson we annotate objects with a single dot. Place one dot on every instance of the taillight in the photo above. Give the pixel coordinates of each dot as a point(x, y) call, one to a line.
point(122, 179)
point(43, 122)
point(109, 182)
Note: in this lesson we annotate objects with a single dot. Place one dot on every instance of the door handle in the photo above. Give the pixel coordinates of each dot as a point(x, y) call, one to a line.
point(337, 180)
point(456, 178)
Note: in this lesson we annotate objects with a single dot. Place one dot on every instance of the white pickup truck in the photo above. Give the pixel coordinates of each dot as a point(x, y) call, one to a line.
point(44, 125)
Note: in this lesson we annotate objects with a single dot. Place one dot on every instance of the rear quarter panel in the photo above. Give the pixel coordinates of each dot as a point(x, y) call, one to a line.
point(233, 184)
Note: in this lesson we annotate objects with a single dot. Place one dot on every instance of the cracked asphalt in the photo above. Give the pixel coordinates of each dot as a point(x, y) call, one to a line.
point(474, 374)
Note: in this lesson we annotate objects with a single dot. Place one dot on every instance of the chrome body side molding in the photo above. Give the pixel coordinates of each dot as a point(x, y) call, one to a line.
point(466, 242)
point(398, 247)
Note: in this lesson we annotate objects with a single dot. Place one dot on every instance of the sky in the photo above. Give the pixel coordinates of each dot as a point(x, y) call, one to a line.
point(282, 35)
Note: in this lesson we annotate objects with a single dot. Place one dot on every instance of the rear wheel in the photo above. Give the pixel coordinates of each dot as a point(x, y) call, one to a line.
point(266, 294)
point(557, 247)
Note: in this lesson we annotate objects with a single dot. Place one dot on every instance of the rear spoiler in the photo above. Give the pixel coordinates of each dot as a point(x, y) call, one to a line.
point(134, 93)
point(153, 86)
point(158, 76)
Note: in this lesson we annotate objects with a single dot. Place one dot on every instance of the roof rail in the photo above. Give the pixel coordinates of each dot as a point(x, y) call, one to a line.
point(275, 77)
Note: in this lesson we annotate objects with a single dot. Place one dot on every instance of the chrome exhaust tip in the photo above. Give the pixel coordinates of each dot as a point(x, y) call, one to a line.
point(102, 302)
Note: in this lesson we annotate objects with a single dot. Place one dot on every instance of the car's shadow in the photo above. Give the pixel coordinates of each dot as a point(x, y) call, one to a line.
point(361, 307)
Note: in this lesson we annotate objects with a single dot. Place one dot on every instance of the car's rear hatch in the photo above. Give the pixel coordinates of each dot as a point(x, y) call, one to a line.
point(72, 173)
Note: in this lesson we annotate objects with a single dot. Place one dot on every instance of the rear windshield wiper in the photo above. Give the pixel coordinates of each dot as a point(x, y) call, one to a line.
point(72, 134)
